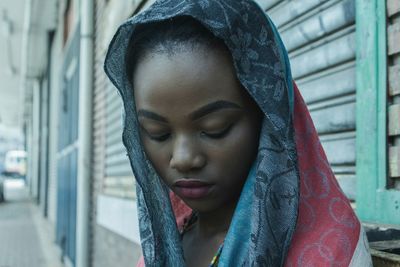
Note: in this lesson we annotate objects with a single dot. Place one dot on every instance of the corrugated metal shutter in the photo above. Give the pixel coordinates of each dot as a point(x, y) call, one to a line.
point(320, 38)
point(118, 174)
point(393, 35)
point(109, 176)
point(112, 171)
point(98, 147)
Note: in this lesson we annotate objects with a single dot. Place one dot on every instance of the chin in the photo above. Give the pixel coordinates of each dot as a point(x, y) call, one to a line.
point(201, 205)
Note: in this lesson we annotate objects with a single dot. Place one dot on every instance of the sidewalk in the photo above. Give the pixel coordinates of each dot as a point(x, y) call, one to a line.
point(25, 236)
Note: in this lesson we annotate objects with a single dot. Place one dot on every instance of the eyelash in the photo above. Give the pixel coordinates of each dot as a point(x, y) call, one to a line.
point(218, 135)
point(160, 138)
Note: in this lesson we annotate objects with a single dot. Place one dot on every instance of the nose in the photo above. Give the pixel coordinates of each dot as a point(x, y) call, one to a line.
point(186, 155)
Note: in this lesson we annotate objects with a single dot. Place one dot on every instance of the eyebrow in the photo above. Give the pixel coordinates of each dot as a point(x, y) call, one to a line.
point(201, 112)
point(150, 115)
point(212, 107)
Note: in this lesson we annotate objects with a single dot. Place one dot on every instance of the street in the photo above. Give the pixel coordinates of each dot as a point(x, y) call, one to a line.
point(24, 240)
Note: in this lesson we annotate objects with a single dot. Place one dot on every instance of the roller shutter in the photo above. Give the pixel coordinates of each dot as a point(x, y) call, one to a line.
point(111, 168)
point(393, 35)
point(320, 38)
point(118, 174)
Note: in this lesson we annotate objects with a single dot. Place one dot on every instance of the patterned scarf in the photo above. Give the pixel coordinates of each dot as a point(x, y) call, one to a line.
point(291, 211)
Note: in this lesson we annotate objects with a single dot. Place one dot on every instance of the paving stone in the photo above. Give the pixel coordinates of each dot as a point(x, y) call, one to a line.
point(21, 244)
point(18, 237)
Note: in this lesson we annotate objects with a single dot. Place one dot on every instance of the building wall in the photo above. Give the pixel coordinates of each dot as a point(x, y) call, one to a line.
point(43, 143)
point(55, 84)
point(41, 65)
point(114, 250)
point(115, 236)
point(33, 152)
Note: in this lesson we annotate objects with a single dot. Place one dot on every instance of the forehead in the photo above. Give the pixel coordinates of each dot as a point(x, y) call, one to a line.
point(187, 78)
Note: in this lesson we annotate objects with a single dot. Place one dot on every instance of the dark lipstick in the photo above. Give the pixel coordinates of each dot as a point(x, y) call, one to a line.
point(193, 189)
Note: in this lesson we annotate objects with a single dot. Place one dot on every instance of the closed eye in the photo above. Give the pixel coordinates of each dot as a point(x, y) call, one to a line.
point(159, 138)
point(218, 134)
point(156, 137)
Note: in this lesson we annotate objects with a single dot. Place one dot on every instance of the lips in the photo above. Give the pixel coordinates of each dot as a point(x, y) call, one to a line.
point(192, 189)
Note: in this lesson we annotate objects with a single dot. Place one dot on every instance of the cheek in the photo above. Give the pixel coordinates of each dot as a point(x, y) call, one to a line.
point(157, 155)
point(244, 141)
point(236, 155)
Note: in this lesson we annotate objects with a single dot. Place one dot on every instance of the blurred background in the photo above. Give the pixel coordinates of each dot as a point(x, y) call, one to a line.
point(67, 193)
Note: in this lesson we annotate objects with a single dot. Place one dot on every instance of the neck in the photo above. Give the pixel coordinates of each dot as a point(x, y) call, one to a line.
point(215, 222)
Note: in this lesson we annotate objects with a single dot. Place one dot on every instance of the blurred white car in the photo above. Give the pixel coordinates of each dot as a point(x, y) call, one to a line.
point(15, 164)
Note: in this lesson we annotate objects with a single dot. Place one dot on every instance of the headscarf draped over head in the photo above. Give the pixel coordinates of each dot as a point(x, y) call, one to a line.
point(291, 211)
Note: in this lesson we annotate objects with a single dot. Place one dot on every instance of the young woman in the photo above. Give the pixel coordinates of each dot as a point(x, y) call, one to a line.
point(228, 165)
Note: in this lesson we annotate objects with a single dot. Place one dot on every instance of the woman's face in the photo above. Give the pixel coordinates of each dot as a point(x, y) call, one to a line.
point(198, 126)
